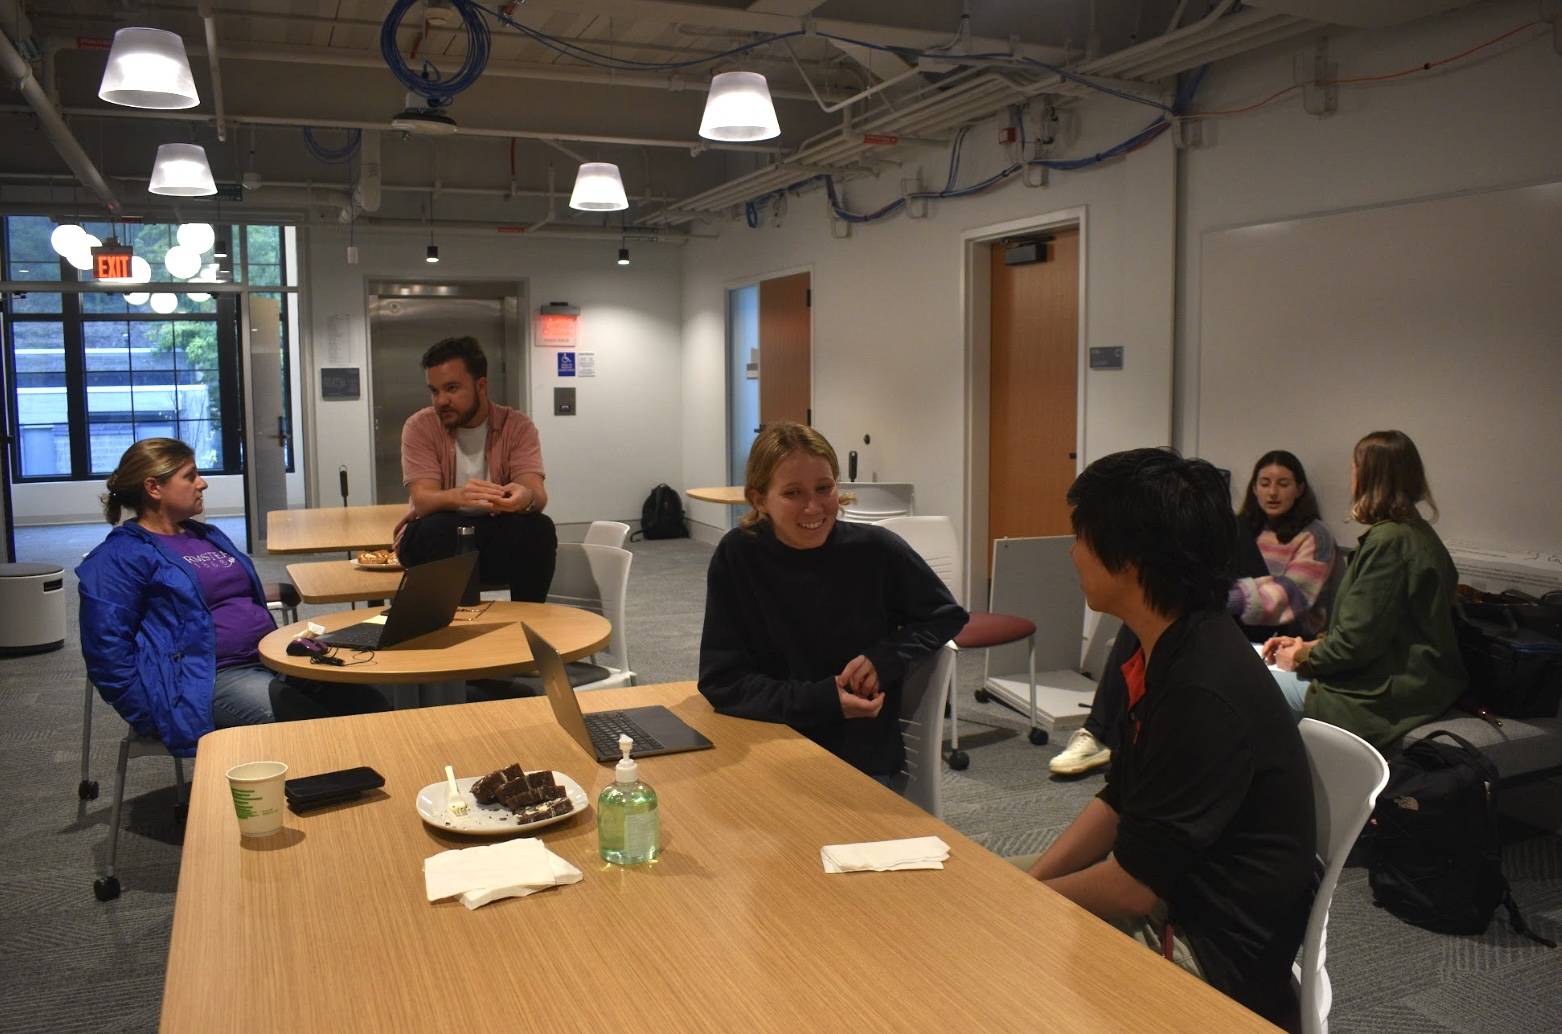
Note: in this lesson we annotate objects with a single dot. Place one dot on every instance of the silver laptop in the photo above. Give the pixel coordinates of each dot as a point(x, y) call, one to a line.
point(654, 729)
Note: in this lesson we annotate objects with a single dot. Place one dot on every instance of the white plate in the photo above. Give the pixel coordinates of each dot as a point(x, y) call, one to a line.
point(375, 567)
point(489, 820)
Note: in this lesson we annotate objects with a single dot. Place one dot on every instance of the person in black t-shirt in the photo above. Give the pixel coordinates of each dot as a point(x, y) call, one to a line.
point(1202, 842)
point(812, 622)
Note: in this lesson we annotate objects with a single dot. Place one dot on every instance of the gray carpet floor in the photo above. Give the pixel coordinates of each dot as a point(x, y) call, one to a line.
point(75, 964)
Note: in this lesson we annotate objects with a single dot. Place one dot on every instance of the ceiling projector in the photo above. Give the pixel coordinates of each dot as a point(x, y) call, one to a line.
point(425, 117)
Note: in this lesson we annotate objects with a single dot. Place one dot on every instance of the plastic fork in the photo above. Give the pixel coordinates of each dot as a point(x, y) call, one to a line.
point(455, 804)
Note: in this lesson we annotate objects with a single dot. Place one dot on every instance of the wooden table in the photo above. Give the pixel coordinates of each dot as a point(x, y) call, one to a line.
point(338, 581)
point(327, 528)
point(732, 495)
point(488, 645)
point(324, 927)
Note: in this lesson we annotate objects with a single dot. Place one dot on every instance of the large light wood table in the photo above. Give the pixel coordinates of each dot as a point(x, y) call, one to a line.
point(732, 495)
point(486, 645)
point(324, 927)
point(327, 528)
point(338, 581)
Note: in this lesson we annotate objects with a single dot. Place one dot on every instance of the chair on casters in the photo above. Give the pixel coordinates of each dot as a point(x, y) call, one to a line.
point(134, 745)
point(1347, 776)
point(607, 533)
point(934, 540)
point(922, 728)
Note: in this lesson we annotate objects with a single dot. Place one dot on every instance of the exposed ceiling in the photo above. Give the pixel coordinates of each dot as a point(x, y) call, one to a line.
point(546, 103)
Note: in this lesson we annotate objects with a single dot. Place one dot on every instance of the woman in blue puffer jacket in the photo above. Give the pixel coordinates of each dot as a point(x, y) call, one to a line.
point(172, 614)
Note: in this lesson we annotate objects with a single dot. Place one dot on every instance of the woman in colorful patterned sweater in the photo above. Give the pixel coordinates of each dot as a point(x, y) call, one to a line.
point(1281, 513)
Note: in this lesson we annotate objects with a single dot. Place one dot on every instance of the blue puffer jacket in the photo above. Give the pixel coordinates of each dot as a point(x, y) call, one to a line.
point(147, 634)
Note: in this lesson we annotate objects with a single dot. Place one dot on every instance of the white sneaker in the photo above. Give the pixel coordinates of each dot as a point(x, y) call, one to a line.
point(1083, 753)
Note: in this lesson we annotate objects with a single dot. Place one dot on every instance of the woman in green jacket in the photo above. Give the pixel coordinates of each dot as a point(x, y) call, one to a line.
point(1389, 660)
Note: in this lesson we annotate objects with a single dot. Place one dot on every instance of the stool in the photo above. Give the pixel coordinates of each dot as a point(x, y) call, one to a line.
point(32, 608)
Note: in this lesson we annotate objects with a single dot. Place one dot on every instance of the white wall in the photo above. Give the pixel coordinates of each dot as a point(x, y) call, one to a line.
point(626, 438)
point(889, 334)
point(1480, 125)
point(77, 502)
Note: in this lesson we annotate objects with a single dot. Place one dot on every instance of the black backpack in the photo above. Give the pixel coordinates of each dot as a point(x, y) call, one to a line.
point(1434, 858)
point(662, 515)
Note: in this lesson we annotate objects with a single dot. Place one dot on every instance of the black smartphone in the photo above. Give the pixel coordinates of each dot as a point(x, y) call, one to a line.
point(330, 787)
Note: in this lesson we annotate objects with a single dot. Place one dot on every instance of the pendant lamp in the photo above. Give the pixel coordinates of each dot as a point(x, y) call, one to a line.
point(623, 256)
point(81, 255)
point(598, 188)
point(182, 262)
point(65, 239)
point(164, 302)
point(137, 297)
point(148, 68)
point(738, 109)
point(181, 171)
point(198, 237)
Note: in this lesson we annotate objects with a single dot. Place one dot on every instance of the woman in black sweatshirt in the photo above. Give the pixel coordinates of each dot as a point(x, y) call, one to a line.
point(812, 622)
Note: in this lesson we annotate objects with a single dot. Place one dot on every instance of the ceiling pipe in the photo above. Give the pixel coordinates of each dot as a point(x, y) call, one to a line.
point(210, 22)
point(394, 188)
point(15, 68)
point(693, 146)
point(548, 218)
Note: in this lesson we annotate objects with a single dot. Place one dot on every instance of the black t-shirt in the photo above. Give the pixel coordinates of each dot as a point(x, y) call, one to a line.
point(781, 623)
point(1215, 808)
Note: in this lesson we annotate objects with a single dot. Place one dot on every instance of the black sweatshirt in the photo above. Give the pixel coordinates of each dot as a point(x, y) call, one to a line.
point(1215, 808)
point(781, 623)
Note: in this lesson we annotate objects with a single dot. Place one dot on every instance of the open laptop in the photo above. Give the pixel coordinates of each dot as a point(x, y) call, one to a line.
point(654, 729)
point(425, 602)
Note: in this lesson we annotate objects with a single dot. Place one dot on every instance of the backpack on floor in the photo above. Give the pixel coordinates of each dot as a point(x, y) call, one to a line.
point(1434, 856)
point(662, 515)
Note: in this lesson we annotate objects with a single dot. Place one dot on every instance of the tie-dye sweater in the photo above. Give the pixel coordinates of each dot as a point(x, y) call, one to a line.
point(1298, 586)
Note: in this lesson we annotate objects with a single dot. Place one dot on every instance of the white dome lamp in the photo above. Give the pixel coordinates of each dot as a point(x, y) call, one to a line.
point(182, 262)
point(148, 68)
point(738, 109)
point(137, 297)
point(163, 302)
point(198, 237)
point(81, 255)
point(181, 170)
point(598, 188)
point(66, 238)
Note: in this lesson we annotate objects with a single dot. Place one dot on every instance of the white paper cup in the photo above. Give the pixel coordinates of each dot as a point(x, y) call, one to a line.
point(257, 796)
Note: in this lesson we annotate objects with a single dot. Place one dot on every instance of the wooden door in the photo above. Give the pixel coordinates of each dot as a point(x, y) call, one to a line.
point(1033, 405)
point(785, 348)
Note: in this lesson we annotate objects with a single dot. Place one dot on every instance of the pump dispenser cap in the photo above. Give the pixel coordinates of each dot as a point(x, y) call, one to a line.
point(627, 771)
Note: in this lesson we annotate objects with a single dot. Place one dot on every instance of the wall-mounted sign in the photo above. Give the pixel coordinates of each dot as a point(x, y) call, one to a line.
point(586, 364)
point(339, 382)
point(111, 263)
point(556, 325)
point(566, 364)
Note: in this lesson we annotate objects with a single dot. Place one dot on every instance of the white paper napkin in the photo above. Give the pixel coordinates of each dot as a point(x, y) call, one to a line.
point(885, 855)
point(513, 868)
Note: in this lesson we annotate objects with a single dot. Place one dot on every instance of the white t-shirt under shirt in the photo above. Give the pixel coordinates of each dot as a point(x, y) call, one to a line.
point(471, 456)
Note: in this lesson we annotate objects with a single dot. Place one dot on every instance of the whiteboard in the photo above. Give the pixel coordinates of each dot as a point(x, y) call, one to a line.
point(1441, 318)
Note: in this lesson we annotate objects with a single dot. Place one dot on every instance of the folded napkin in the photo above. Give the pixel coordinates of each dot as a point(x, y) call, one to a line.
point(511, 869)
point(885, 855)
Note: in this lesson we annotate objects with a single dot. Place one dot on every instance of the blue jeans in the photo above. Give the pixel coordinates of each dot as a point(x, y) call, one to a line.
point(1293, 687)
point(252, 694)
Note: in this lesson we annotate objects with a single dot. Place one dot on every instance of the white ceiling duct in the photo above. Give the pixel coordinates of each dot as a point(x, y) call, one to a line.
point(1361, 14)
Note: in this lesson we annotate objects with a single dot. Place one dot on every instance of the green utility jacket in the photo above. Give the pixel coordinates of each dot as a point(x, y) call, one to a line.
point(1390, 660)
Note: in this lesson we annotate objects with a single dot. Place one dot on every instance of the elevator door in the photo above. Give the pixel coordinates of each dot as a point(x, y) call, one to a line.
point(403, 326)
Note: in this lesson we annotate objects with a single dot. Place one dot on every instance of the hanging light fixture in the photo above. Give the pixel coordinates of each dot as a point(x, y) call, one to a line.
point(140, 273)
point(137, 297)
point(164, 303)
point(598, 188)
point(432, 254)
point(623, 256)
point(181, 170)
point(81, 255)
point(66, 238)
point(148, 68)
point(198, 237)
point(738, 109)
point(182, 262)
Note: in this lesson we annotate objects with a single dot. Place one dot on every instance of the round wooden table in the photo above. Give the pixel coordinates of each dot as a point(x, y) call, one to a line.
point(485, 641)
point(731, 495)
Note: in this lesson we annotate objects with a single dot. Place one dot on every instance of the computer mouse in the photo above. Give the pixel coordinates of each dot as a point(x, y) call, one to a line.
point(307, 646)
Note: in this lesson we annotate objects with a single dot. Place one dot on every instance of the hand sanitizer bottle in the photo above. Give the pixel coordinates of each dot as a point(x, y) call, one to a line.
point(629, 830)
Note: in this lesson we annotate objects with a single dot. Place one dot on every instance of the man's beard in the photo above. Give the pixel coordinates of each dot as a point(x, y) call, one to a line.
point(452, 419)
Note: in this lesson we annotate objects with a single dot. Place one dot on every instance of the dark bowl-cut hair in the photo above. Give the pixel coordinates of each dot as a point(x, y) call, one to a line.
point(1167, 516)
point(465, 349)
point(1302, 512)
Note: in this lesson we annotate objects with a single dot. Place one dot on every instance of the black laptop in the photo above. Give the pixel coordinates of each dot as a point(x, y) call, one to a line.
point(654, 729)
point(425, 602)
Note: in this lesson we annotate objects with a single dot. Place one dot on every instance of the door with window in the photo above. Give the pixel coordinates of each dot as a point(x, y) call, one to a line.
point(770, 360)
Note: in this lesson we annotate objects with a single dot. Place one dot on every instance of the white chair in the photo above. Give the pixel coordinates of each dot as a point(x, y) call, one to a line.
point(934, 540)
point(1347, 776)
point(607, 533)
point(106, 887)
point(876, 501)
point(922, 728)
point(596, 578)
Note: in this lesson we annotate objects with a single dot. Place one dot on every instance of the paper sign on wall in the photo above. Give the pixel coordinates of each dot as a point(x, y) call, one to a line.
point(586, 364)
point(336, 339)
point(566, 364)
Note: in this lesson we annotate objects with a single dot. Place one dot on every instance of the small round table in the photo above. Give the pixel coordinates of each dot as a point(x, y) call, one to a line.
point(485, 641)
point(731, 495)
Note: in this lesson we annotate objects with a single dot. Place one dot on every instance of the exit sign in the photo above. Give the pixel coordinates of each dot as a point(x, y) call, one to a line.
point(111, 263)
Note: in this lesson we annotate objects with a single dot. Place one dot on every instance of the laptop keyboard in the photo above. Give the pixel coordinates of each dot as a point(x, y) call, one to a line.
point(605, 727)
point(365, 637)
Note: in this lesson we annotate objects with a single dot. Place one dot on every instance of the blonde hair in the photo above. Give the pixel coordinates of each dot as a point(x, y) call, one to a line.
point(774, 444)
point(155, 458)
point(1390, 479)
